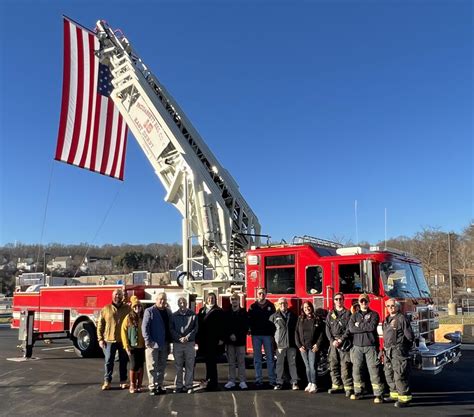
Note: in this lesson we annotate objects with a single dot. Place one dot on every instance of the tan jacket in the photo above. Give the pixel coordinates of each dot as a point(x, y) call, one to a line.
point(110, 322)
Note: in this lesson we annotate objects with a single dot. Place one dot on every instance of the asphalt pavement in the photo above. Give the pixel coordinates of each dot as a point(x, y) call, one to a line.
point(58, 383)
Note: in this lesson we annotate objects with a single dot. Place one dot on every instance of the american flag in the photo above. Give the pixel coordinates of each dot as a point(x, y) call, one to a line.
point(92, 133)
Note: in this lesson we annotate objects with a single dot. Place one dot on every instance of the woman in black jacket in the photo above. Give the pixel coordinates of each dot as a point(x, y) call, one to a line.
point(309, 339)
point(209, 337)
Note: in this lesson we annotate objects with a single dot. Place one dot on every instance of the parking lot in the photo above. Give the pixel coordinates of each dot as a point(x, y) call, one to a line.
point(58, 383)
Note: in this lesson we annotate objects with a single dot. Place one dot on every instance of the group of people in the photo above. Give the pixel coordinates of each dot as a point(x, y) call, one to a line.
point(144, 336)
point(354, 354)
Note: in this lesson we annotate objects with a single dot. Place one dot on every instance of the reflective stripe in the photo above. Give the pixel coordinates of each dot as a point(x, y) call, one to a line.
point(357, 384)
point(347, 388)
point(336, 386)
point(394, 395)
point(378, 389)
point(404, 398)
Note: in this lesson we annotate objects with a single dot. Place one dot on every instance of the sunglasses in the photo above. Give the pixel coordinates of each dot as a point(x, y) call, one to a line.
point(364, 301)
point(338, 299)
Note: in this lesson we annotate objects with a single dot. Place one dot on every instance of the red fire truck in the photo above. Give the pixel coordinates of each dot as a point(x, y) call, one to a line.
point(72, 311)
point(218, 217)
point(314, 270)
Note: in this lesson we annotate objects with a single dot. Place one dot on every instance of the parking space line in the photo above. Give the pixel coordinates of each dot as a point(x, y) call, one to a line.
point(236, 409)
point(278, 404)
point(54, 348)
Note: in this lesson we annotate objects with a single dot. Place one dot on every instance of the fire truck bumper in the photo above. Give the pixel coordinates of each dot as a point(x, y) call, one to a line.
point(436, 356)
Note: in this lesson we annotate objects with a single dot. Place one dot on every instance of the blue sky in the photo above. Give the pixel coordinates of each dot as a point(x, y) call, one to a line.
point(310, 105)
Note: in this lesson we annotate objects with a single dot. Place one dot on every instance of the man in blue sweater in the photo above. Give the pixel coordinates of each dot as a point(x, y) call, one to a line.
point(154, 332)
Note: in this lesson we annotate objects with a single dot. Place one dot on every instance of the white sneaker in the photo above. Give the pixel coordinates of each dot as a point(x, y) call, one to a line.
point(229, 385)
point(243, 385)
point(308, 387)
point(313, 389)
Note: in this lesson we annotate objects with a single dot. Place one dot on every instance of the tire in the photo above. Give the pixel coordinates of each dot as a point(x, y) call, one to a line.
point(85, 340)
point(323, 365)
point(181, 276)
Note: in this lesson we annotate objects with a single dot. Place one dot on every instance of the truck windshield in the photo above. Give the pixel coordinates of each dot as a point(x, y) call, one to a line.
point(400, 281)
point(421, 281)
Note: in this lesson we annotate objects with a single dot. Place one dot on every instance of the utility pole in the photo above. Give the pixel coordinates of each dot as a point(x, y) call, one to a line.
point(452, 310)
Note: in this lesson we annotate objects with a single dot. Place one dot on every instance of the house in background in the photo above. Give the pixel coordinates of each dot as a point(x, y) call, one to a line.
point(25, 264)
point(60, 263)
point(96, 265)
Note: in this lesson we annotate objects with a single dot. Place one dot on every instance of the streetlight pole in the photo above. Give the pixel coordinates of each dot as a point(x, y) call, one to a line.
point(44, 264)
point(452, 310)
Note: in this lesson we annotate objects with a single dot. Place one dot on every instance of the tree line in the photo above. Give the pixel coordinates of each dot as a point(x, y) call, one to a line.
point(430, 245)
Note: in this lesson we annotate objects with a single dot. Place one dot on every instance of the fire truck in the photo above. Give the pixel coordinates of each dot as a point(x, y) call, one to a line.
point(312, 269)
point(216, 216)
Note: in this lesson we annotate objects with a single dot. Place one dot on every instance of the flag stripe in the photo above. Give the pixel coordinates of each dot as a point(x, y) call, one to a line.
point(95, 137)
point(92, 152)
point(117, 148)
point(85, 153)
point(65, 95)
point(92, 133)
point(72, 95)
point(113, 144)
point(107, 138)
point(124, 150)
point(80, 96)
point(101, 137)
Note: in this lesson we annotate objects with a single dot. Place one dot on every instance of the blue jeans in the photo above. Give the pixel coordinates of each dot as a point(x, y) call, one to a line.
point(267, 343)
point(109, 352)
point(309, 359)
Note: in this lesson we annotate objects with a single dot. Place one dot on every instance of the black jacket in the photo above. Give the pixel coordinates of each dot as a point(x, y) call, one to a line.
point(397, 332)
point(285, 328)
point(310, 332)
point(210, 330)
point(236, 323)
point(363, 327)
point(259, 322)
point(337, 325)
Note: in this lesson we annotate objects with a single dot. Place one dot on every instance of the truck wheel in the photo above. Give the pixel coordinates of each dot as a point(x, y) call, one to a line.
point(85, 340)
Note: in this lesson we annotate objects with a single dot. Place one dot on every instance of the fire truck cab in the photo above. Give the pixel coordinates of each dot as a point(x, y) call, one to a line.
point(314, 270)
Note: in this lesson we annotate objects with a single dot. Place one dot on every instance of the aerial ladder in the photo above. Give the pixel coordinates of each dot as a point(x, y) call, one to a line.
point(214, 212)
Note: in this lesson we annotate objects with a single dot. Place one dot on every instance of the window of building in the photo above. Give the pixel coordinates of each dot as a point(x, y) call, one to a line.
point(314, 280)
point(350, 280)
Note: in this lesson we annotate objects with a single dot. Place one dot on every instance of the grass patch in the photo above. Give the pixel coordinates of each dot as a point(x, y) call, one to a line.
point(459, 319)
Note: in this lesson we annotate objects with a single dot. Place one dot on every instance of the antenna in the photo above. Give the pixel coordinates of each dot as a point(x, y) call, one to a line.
point(385, 244)
point(357, 226)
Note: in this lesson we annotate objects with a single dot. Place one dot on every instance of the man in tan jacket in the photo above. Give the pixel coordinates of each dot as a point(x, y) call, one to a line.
point(109, 337)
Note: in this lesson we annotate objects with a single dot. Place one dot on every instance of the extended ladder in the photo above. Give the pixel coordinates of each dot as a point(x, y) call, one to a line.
point(206, 195)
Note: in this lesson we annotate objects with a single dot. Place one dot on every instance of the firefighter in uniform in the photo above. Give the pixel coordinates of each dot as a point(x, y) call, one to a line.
point(398, 338)
point(337, 332)
point(363, 326)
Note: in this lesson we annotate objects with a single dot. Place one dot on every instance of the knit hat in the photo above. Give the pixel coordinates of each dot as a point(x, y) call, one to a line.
point(134, 301)
point(363, 296)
